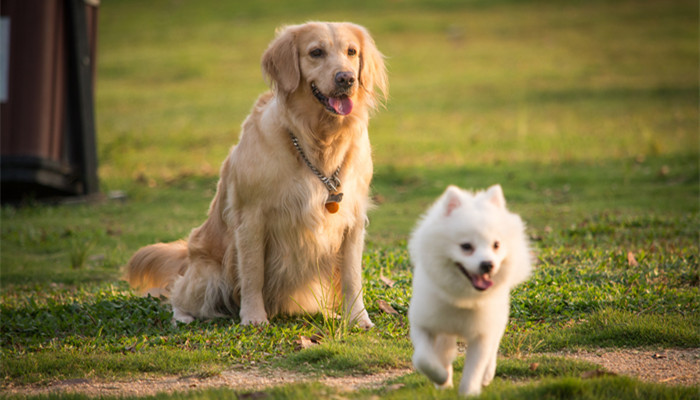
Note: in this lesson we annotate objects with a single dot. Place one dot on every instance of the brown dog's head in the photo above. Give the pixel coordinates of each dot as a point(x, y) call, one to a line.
point(335, 66)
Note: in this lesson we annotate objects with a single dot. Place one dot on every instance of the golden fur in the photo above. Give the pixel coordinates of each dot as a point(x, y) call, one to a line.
point(269, 245)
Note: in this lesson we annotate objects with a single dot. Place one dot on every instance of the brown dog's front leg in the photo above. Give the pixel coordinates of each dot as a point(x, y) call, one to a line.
point(251, 266)
point(351, 277)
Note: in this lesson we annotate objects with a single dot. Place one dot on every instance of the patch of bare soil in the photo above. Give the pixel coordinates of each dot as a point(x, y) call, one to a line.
point(243, 380)
point(669, 366)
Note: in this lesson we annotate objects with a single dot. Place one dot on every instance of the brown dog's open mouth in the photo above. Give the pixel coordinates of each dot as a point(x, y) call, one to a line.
point(480, 282)
point(341, 105)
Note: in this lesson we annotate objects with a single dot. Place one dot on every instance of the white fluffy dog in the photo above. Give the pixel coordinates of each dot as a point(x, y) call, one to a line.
point(468, 252)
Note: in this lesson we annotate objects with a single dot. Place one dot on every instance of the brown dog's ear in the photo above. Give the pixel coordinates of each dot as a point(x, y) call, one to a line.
point(373, 75)
point(280, 62)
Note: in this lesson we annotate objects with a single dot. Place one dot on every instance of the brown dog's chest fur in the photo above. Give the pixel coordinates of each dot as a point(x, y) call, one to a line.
point(302, 239)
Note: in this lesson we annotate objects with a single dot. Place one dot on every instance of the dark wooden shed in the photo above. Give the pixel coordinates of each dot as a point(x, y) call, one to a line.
point(47, 75)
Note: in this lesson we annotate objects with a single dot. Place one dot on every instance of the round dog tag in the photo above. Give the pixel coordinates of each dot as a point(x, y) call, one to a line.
point(333, 202)
point(332, 207)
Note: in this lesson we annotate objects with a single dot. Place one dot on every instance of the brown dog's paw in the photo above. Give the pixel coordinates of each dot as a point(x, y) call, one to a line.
point(254, 319)
point(263, 321)
point(363, 321)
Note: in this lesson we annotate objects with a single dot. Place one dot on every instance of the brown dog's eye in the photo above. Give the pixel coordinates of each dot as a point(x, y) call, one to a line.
point(352, 52)
point(316, 53)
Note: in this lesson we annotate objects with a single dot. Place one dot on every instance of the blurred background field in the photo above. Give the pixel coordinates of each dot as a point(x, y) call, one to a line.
point(472, 83)
point(572, 102)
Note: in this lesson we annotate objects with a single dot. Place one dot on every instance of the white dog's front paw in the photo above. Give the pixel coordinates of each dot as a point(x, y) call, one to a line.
point(469, 389)
point(181, 316)
point(448, 382)
point(431, 368)
point(446, 385)
point(488, 378)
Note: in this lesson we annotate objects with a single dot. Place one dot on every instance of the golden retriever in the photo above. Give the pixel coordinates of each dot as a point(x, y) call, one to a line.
point(285, 230)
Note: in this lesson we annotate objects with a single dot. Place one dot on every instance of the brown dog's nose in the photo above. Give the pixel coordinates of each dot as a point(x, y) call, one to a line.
point(345, 79)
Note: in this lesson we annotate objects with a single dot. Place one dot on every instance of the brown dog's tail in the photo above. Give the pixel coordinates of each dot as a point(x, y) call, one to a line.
point(154, 268)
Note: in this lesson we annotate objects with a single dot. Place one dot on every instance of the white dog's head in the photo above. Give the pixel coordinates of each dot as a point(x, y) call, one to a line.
point(472, 242)
point(477, 245)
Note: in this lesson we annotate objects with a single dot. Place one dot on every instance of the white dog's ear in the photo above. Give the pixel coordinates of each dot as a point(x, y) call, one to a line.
point(494, 194)
point(280, 62)
point(452, 199)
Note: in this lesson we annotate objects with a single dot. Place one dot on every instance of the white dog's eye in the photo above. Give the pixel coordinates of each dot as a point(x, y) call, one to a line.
point(496, 245)
point(467, 247)
point(316, 53)
point(352, 52)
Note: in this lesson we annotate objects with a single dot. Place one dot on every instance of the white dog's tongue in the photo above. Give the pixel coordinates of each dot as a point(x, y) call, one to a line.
point(481, 282)
point(341, 105)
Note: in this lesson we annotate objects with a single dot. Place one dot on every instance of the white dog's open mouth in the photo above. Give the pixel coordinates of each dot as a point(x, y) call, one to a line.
point(341, 105)
point(480, 282)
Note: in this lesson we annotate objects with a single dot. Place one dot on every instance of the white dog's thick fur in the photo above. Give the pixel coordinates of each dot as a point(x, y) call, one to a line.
point(468, 252)
point(269, 245)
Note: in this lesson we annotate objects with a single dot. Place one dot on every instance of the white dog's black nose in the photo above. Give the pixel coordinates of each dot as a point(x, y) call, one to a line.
point(486, 267)
point(345, 79)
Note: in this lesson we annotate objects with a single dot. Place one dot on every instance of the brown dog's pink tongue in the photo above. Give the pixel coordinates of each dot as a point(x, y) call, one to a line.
point(342, 105)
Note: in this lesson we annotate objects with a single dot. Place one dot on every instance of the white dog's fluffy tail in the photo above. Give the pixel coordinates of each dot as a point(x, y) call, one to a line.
point(154, 268)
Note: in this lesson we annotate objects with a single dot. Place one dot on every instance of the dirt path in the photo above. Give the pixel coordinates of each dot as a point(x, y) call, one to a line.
point(248, 380)
point(671, 366)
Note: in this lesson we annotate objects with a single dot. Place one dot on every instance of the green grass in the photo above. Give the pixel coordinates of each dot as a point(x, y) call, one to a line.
point(585, 112)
